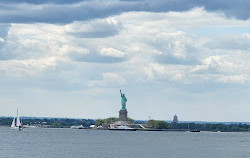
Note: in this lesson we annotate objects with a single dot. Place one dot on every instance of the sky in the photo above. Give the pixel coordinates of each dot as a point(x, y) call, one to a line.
point(70, 58)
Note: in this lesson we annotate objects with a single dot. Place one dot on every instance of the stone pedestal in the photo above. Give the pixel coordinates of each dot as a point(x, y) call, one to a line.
point(123, 115)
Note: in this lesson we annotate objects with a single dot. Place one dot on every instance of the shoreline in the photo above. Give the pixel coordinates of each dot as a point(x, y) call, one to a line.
point(148, 130)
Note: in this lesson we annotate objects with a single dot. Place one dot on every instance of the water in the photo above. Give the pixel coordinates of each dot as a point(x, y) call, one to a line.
point(74, 143)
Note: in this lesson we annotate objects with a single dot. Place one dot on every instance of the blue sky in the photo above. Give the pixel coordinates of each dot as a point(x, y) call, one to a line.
point(70, 58)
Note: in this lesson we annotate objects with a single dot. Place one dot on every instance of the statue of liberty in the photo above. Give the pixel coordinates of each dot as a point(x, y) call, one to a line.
point(123, 101)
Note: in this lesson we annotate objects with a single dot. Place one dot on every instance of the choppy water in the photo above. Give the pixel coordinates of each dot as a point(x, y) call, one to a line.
point(74, 143)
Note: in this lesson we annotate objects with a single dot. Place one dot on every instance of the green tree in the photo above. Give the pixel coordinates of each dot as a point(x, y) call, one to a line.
point(157, 124)
point(99, 122)
point(109, 120)
point(131, 120)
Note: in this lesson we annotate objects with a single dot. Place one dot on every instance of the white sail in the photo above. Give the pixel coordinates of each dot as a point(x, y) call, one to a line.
point(18, 123)
point(17, 120)
point(13, 123)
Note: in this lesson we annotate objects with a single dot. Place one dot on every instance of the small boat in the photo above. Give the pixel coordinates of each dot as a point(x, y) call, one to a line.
point(195, 130)
point(78, 127)
point(16, 123)
point(29, 126)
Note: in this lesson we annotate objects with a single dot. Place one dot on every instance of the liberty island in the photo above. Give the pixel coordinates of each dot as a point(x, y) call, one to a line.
point(123, 123)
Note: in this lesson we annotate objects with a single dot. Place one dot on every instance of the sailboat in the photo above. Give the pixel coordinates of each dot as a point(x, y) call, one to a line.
point(16, 123)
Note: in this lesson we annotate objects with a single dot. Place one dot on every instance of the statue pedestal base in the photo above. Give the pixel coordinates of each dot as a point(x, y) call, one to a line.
point(123, 115)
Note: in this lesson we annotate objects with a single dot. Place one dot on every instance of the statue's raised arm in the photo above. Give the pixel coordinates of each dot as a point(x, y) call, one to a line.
point(121, 92)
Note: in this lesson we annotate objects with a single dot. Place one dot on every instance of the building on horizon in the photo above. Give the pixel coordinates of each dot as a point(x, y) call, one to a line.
point(175, 120)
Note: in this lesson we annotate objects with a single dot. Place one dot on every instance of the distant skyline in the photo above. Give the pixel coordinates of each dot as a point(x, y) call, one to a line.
point(63, 58)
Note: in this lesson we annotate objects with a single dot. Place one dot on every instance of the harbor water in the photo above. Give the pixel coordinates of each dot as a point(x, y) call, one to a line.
point(83, 143)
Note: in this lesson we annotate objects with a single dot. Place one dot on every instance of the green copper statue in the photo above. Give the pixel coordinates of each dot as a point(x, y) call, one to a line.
point(123, 101)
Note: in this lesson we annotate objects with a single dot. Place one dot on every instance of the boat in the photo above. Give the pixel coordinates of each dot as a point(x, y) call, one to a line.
point(78, 127)
point(16, 123)
point(122, 128)
point(29, 126)
point(195, 130)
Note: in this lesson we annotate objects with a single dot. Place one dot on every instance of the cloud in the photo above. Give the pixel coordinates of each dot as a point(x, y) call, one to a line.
point(96, 57)
point(148, 47)
point(65, 12)
point(60, 13)
point(230, 42)
point(108, 79)
point(111, 52)
point(76, 50)
point(84, 59)
point(150, 72)
point(1, 40)
point(216, 64)
point(168, 59)
point(224, 69)
point(31, 67)
point(176, 47)
point(4, 28)
point(233, 79)
point(34, 41)
point(42, 1)
point(94, 29)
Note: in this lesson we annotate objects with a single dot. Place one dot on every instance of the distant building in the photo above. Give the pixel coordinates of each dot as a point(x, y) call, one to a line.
point(175, 120)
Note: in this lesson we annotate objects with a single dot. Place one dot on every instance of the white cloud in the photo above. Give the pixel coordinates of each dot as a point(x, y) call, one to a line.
point(67, 49)
point(246, 35)
point(151, 72)
point(233, 79)
point(2, 40)
point(230, 43)
point(171, 72)
point(216, 64)
point(196, 18)
point(138, 38)
point(179, 49)
point(111, 52)
point(94, 29)
point(31, 67)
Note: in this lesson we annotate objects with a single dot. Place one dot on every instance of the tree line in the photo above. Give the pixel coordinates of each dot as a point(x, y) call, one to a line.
point(212, 127)
point(154, 124)
point(49, 122)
